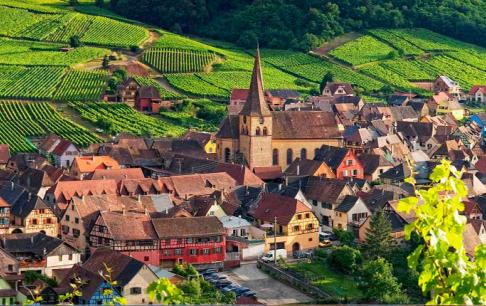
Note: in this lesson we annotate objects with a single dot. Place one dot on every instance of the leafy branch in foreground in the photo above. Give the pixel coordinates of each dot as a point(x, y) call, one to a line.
point(446, 272)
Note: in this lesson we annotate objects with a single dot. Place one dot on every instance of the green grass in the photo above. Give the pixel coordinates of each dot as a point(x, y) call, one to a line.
point(329, 280)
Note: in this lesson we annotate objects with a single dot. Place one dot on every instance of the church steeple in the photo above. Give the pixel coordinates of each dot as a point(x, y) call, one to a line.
point(255, 104)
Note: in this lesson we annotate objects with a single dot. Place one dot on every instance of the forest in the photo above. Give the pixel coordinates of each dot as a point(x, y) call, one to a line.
point(305, 24)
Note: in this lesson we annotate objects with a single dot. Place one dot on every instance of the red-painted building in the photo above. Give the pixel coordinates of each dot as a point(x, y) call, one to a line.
point(343, 162)
point(162, 241)
point(198, 241)
point(147, 99)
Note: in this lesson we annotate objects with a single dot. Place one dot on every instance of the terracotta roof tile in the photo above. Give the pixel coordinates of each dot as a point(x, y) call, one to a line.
point(140, 226)
point(272, 205)
point(288, 125)
point(91, 163)
point(63, 191)
point(4, 153)
point(188, 227)
point(117, 174)
point(241, 174)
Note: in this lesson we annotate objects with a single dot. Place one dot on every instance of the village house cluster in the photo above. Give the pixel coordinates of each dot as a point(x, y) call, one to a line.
point(279, 171)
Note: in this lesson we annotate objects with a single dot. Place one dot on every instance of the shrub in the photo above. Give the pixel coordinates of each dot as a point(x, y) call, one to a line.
point(346, 237)
point(135, 48)
point(345, 258)
point(75, 41)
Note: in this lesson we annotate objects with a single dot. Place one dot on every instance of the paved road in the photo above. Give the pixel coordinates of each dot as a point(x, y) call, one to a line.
point(268, 290)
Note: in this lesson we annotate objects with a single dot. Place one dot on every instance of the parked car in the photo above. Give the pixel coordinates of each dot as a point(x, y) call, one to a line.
point(325, 244)
point(280, 253)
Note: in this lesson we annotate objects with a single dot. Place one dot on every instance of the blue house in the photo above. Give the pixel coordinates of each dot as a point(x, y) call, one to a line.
point(480, 119)
point(92, 288)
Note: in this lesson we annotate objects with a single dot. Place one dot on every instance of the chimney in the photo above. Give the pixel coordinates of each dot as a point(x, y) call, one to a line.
point(279, 187)
point(29, 197)
point(124, 211)
point(103, 177)
point(166, 210)
point(139, 199)
point(12, 185)
point(32, 239)
point(298, 169)
point(146, 211)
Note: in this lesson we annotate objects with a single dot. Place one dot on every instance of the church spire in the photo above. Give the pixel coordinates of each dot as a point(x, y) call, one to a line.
point(255, 104)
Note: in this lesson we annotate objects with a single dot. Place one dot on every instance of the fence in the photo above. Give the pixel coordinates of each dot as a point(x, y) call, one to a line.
point(292, 280)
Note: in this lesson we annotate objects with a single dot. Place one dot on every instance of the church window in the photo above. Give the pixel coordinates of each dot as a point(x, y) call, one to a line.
point(290, 156)
point(227, 155)
point(258, 131)
point(275, 157)
point(303, 153)
point(265, 131)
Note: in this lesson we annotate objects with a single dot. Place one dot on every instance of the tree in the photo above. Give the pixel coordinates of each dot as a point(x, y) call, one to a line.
point(393, 54)
point(106, 62)
point(163, 291)
point(328, 77)
point(378, 283)
point(75, 41)
point(379, 241)
point(345, 258)
point(447, 274)
point(100, 3)
point(121, 74)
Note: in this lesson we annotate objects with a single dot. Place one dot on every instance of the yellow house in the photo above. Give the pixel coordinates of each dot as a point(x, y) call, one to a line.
point(448, 104)
point(33, 215)
point(205, 139)
point(290, 224)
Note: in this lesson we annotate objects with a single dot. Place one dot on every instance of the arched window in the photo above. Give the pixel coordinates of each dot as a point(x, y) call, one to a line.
point(265, 131)
point(227, 155)
point(316, 151)
point(290, 156)
point(258, 131)
point(275, 157)
point(303, 153)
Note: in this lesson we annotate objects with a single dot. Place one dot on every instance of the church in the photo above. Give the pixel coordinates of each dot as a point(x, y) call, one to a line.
point(260, 137)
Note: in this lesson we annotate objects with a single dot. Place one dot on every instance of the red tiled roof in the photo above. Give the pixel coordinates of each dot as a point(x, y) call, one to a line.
point(61, 147)
point(91, 163)
point(4, 153)
point(268, 173)
point(140, 226)
point(117, 174)
point(64, 190)
point(475, 88)
point(481, 164)
point(239, 94)
point(272, 205)
point(188, 227)
point(3, 203)
point(241, 174)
